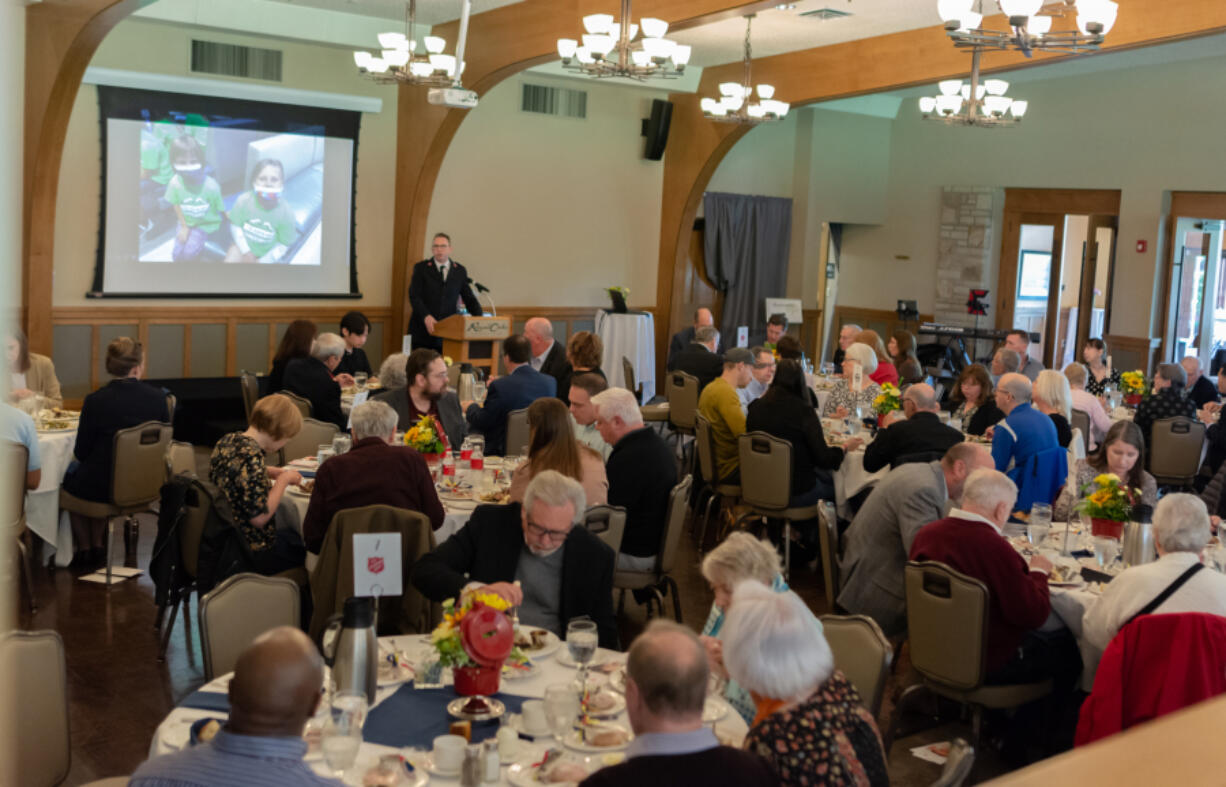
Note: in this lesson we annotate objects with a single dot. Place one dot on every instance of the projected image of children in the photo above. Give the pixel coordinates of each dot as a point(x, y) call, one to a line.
point(231, 195)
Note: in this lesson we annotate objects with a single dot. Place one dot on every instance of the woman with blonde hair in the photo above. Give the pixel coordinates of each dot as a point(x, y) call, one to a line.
point(886, 371)
point(552, 446)
point(30, 374)
point(1051, 395)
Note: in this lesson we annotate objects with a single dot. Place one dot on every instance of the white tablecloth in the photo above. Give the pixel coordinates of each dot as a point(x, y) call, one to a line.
point(632, 336)
point(172, 733)
point(851, 478)
point(43, 504)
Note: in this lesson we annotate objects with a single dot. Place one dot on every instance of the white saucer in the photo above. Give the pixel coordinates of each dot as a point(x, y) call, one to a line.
point(516, 722)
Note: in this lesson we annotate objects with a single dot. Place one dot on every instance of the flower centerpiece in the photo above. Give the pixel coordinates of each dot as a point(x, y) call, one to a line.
point(618, 296)
point(474, 639)
point(889, 400)
point(1109, 506)
point(1134, 386)
point(427, 436)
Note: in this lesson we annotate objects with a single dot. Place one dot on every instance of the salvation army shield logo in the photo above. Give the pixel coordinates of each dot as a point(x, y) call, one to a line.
point(374, 565)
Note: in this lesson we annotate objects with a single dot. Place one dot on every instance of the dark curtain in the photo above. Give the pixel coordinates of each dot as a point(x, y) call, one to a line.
point(746, 246)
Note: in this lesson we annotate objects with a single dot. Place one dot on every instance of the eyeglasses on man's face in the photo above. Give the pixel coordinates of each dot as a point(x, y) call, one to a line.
point(556, 536)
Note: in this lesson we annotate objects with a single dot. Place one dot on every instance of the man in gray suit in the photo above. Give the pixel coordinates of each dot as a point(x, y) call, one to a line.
point(879, 539)
point(426, 394)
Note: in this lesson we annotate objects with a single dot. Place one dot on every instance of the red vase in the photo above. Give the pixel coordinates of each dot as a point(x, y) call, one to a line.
point(432, 458)
point(1106, 527)
point(1132, 399)
point(477, 680)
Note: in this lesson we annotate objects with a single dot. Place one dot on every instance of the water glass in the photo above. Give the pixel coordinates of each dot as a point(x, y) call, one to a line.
point(342, 734)
point(581, 641)
point(324, 453)
point(1106, 550)
point(359, 379)
point(561, 708)
point(1037, 532)
point(1040, 514)
point(341, 444)
point(479, 390)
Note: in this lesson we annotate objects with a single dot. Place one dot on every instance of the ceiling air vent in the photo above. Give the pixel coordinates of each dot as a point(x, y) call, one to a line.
point(826, 13)
point(560, 101)
point(210, 57)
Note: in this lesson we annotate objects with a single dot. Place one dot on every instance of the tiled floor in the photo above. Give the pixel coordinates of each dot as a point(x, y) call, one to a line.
point(119, 691)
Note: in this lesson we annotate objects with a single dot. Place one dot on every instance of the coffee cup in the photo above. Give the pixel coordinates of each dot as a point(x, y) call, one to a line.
point(533, 712)
point(448, 754)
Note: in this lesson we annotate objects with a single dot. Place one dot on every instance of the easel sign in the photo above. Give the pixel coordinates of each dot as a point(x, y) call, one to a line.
point(792, 308)
point(376, 565)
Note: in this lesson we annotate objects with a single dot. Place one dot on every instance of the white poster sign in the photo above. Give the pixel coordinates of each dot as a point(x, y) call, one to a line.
point(406, 344)
point(742, 336)
point(788, 307)
point(376, 564)
point(358, 398)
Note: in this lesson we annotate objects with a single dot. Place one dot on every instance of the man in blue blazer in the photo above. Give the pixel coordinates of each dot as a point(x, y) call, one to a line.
point(437, 285)
point(519, 387)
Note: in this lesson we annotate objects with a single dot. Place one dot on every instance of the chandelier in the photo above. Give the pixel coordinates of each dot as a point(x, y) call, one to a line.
point(401, 62)
point(1030, 25)
point(735, 104)
point(980, 103)
point(609, 48)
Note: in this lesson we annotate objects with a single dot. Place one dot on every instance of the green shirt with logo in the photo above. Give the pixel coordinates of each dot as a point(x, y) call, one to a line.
point(263, 228)
point(201, 206)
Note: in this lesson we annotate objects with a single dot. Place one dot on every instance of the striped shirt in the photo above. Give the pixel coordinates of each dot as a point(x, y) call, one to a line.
point(232, 760)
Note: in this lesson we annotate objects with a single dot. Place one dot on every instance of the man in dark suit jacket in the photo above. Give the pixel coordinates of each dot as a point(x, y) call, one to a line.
point(437, 284)
point(563, 571)
point(700, 358)
point(373, 471)
point(427, 394)
point(920, 438)
point(311, 378)
point(682, 338)
point(519, 387)
point(548, 354)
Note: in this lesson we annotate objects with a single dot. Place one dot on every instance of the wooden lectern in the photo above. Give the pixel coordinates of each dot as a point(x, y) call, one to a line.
point(472, 340)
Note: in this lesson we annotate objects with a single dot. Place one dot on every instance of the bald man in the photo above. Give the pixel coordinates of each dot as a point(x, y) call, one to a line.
point(548, 354)
point(919, 436)
point(275, 690)
point(683, 338)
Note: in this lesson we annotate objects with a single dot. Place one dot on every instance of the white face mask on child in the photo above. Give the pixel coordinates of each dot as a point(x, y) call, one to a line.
point(188, 167)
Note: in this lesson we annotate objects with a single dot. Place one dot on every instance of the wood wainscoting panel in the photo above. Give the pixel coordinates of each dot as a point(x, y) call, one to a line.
point(883, 321)
point(1134, 352)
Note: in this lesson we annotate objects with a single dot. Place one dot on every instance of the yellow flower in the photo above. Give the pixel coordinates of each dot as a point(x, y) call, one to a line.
point(443, 630)
point(492, 600)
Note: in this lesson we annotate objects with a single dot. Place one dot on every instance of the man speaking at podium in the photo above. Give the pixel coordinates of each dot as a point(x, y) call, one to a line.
point(437, 286)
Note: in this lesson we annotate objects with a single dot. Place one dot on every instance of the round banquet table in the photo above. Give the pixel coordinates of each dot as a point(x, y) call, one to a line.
point(628, 336)
point(43, 504)
point(209, 702)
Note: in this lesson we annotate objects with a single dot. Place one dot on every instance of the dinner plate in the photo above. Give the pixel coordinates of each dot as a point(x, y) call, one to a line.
point(574, 740)
point(564, 658)
point(456, 497)
point(617, 680)
point(619, 705)
point(523, 773)
point(552, 643)
point(527, 670)
point(297, 491)
point(61, 430)
point(366, 761)
point(516, 722)
point(393, 674)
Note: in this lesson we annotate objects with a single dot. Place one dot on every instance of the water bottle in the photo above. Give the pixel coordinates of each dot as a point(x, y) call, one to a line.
point(448, 467)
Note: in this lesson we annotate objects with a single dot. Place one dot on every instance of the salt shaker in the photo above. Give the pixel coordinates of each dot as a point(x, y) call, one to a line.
point(490, 761)
point(473, 767)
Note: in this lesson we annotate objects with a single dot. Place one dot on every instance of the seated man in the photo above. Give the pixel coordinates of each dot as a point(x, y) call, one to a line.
point(666, 686)
point(274, 691)
point(699, 358)
point(548, 354)
point(1169, 400)
point(582, 388)
point(532, 555)
point(776, 326)
point(1019, 342)
point(720, 405)
point(682, 338)
point(762, 373)
point(1201, 389)
point(519, 387)
point(374, 470)
point(425, 393)
point(17, 427)
point(916, 438)
point(311, 378)
point(876, 544)
point(847, 337)
point(1005, 361)
point(1181, 530)
point(969, 541)
point(642, 472)
point(1025, 445)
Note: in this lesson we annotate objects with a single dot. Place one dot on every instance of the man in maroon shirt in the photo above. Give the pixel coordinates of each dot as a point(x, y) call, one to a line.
point(373, 471)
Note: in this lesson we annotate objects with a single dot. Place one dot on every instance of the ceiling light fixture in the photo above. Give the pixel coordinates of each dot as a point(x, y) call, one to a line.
point(1030, 25)
point(981, 103)
point(735, 103)
point(400, 62)
point(608, 48)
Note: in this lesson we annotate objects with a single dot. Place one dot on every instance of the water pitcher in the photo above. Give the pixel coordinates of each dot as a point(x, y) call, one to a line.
point(351, 648)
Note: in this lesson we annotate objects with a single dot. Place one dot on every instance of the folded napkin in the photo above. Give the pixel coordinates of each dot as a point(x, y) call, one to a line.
point(415, 717)
point(207, 700)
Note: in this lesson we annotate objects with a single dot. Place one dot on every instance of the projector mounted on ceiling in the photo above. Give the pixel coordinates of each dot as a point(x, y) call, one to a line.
point(454, 97)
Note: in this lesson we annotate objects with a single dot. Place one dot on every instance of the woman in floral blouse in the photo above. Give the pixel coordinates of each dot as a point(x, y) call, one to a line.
point(843, 399)
point(254, 490)
point(810, 724)
point(1095, 355)
point(973, 402)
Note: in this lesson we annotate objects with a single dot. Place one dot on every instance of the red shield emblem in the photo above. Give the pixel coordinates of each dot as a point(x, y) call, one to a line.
point(374, 565)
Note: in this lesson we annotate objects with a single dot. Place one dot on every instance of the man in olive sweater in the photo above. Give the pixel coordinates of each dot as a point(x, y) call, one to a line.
point(721, 406)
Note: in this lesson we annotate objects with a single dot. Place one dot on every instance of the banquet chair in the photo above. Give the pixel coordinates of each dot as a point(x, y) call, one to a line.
point(862, 652)
point(251, 391)
point(310, 437)
point(704, 444)
point(196, 507)
point(682, 392)
point(828, 540)
point(240, 609)
point(172, 402)
point(180, 458)
point(631, 383)
point(947, 622)
point(1175, 446)
point(37, 683)
point(137, 474)
point(517, 432)
point(766, 481)
point(17, 457)
point(608, 523)
point(1080, 419)
point(658, 579)
point(304, 404)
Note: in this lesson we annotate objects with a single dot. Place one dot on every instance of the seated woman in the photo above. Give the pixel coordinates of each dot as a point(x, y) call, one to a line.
point(1122, 452)
point(810, 723)
point(254, 490)
point(296, 343)
point(845, 398)
point(1083, 400)
point(30, 374)
point(901, 348)
point(584, 351)
point(552, 446)
point(886, 371)
point(738, 558)
point(392, 375)
point(122, 403)
point(355, 329)
point(1095, 356)
point(784, 411)
point(973, 400)
point(1052, 397)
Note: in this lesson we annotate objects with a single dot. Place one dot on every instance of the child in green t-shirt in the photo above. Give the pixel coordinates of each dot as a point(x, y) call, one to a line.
point(261, 223)
point(196, 198)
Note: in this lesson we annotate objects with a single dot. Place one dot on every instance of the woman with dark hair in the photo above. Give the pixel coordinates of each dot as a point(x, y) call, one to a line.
point(886, 371)
point(901, 347)
point(972, 400)
point(584, 351)
point(1122, 452)
point(552, 446)
point(354, 330)
point(1168, 399)
point(296, 343)
point(30, 374)
point(1095, 356)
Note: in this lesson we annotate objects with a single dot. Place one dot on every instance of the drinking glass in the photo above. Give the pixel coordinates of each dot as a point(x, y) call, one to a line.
point(359, 379)
point(324, 453)
point(341, 444)
point(827, 369)
point(1037, 532)
point(1106, 550)
point(561, 708)
point(479, 391)
point(342, 735)
point(581, 641)
point(1040, 514)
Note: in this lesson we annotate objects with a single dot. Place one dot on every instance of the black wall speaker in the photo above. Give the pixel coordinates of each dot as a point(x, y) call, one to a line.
point(655, 128)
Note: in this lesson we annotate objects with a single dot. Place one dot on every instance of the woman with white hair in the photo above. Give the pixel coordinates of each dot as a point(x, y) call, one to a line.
point(811, 725)
point(1176, 582)
point(1051, 397)
point(845, 398)
point(391, 372)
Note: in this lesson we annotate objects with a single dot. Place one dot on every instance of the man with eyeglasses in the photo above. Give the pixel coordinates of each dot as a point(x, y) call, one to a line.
point(761, 375)
point(533, 555)
point(435, 290)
